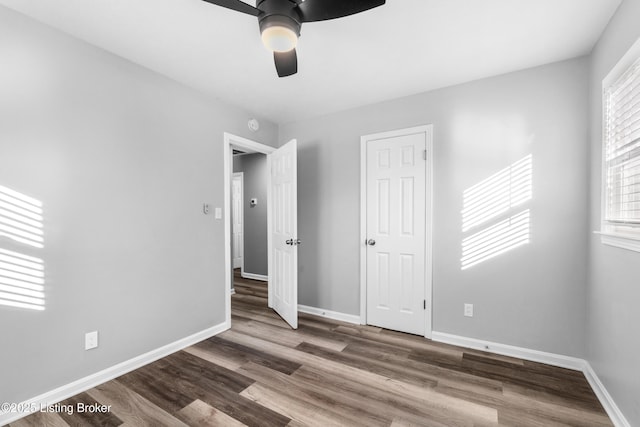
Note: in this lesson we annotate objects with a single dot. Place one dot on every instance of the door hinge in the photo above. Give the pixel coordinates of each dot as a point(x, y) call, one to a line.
point(424, 304)
point(424, 154)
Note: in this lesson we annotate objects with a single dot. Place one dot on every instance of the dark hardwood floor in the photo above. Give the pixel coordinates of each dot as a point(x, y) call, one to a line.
point(329, 373)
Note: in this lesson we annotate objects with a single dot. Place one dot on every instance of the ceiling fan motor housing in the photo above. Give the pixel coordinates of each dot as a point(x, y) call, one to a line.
point(281, 13)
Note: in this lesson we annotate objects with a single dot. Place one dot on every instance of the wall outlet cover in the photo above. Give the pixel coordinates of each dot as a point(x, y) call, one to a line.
point(468, 310)
point(90, 340)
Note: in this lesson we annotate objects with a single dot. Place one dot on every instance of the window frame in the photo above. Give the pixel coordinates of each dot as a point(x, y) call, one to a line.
point(622, 235)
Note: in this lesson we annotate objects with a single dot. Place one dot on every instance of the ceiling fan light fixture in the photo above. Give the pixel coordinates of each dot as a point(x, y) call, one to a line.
point(278, 38)
point(280, 22)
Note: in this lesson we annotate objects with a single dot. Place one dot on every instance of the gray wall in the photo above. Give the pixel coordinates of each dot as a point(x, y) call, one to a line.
point(614, 288)
point(254, 167)
point(531, 297)
point(122, 160)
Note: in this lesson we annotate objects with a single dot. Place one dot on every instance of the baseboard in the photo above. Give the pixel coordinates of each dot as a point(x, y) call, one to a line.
point(349, 318)
point(605, 398)
point(559, 360)
point(86, 383)
point(252, 276)
point(233, 291)
point(508, 350)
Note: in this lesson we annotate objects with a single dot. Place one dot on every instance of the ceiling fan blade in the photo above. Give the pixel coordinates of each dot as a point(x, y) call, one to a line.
point(286, 63)
point(236, 5)
point(321, 10)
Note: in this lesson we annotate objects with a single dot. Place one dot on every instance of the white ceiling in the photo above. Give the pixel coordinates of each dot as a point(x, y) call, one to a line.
point(401, 48)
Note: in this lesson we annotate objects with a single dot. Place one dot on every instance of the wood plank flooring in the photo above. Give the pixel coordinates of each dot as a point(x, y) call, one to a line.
point(329, 373)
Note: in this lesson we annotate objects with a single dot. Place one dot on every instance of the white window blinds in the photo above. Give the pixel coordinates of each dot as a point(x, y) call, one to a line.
point(622, 148)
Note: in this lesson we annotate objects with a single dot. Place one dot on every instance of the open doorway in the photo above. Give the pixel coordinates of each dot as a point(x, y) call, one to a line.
point(249, 215)
point(282, 224)
point(249, 231)
point(247, 196)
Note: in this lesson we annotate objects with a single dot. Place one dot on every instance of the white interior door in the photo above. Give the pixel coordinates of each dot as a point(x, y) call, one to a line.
point(237, 217)
point(395, 231)
point(283, 270)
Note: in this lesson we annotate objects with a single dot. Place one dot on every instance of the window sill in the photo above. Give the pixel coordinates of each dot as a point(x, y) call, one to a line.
point(624, 241)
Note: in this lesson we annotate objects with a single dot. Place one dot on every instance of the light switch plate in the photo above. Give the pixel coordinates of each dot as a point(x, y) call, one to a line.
point(218, 213)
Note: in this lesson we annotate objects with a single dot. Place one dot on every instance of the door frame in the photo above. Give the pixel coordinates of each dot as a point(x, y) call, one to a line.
point(428, 262)
point(227, 155)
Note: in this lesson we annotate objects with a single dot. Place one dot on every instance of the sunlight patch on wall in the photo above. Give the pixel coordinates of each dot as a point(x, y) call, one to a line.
point(497, 194)
point(491, 200)
point(495, 240)
point(21, 280)
point(21, 218)
point(21, 276)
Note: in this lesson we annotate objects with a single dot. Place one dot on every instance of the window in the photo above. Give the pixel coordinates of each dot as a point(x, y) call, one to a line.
point(621, 154)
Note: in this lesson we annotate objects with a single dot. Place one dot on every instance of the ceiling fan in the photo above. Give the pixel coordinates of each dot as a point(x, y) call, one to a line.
point(280, 22)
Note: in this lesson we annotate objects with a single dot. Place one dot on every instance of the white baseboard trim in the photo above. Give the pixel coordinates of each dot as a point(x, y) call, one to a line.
point(233, 291)
point(86, 383)
point(252, 276)
point(349, 318)
point(605, 398)
point(553, 359)
point(508, 350)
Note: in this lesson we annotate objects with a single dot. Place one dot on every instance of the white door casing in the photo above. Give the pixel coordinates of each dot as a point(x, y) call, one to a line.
point(237, 215)
point(231, 141)
point(283, 269)
point(396, 231)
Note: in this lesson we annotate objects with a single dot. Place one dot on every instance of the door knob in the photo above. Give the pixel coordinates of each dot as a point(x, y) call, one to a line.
point(371, 242)
point(297, 242)
point(289, 242)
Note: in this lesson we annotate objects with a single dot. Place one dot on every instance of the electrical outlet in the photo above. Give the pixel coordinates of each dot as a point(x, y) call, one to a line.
point(90, 340)
point(468, 310)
